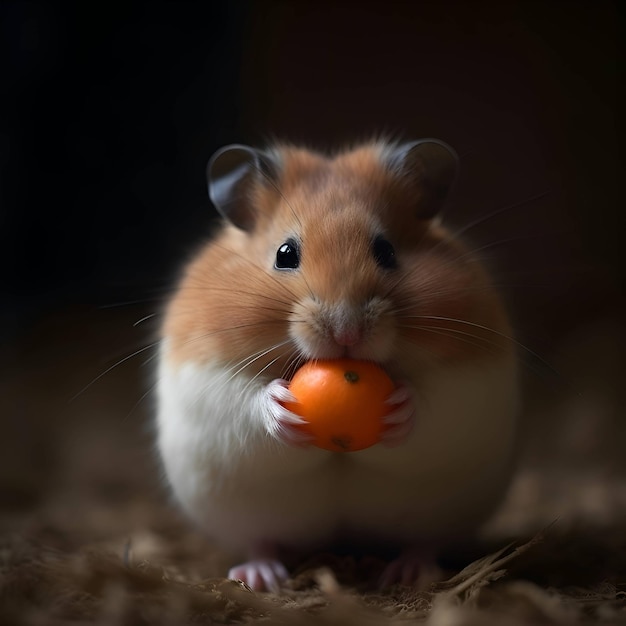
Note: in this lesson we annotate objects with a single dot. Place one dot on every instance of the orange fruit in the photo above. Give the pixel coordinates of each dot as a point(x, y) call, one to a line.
point(343, 402)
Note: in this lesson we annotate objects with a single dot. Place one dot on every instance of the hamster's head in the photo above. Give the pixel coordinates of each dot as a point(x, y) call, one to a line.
point(327, 257)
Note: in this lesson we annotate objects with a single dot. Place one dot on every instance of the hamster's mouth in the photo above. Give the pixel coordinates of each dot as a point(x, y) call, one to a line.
point(345, 358)
point(330, 350)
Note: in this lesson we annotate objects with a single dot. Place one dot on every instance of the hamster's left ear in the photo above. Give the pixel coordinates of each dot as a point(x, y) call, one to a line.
point(233, 173)
point(432, 165)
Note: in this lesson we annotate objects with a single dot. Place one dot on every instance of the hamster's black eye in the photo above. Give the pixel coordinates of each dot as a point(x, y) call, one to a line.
point(287, 256)
point(384, 253)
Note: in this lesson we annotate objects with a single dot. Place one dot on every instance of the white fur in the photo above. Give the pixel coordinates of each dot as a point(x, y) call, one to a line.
point(228, 473)
point(246, 489)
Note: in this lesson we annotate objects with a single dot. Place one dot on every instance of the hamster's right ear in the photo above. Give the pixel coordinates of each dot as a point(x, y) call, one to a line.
point(232, 173)
point(432, 166)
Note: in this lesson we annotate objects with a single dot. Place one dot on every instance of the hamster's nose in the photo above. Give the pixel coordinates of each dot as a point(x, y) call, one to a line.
point(346, 324)
point(347, 336)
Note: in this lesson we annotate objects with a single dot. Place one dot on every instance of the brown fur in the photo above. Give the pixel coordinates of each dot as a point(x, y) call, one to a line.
point(233, 304)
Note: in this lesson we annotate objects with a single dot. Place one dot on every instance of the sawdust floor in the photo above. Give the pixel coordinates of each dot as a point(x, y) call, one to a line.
point(89, 536)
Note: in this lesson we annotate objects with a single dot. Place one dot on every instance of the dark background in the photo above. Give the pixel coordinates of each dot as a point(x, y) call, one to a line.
point(111, 112)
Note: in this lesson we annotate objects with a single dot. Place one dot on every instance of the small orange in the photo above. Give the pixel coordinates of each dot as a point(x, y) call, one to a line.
point(343, 402)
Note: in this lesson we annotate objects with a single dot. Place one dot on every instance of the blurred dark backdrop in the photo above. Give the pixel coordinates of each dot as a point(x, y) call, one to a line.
point(111, 112)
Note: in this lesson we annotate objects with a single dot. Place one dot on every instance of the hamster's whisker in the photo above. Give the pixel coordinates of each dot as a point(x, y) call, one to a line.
point(451, 262)
point(144, 395)
point(281, 314)
point(232, 329)
point(312, 294)
point(431, 353)
point(145, 318)
point(401, 278)
point(248, 361)
point(457, 320)
point(241, 292)
point(281, 283)
point(293, 364)
point(260, 373)
point(408, 304)
point(494, 244)
point(278, 190)
point(109, 369)
point(266, 367)
point(454, 334)
point(489, 330)
point(492, 214)
point(150, 358)
point(525, 357)
point(161, 298)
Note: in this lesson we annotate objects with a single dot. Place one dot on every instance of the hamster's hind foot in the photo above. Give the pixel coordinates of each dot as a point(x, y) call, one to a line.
point(260, 574)
point(413, 568)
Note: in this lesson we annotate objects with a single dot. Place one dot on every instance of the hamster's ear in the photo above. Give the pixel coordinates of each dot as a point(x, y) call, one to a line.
point(433, 165)
point(232, 173)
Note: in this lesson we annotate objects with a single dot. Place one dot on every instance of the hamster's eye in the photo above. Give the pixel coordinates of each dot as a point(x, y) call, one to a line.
point(384, 253)
point(287, 256)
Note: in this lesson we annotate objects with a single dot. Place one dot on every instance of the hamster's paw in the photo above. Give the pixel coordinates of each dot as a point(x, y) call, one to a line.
point(401, 420)
point(261, 574)
point(281, 423)
point(413, 568)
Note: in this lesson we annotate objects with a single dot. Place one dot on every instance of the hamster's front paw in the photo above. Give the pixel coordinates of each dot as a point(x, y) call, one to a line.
point(261, 574)
point(279, 422)
point(401, 419)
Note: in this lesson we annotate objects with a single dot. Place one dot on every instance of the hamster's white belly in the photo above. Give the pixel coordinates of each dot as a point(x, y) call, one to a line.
point(455, 466)
point(244, 488)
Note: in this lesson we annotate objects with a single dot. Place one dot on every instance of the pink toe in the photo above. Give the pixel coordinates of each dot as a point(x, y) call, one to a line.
point(261, 574)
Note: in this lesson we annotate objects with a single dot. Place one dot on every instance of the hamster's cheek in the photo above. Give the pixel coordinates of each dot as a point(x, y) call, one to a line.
point(310, 331)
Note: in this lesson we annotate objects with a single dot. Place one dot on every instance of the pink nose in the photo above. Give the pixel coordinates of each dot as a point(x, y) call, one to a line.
point(347, 336)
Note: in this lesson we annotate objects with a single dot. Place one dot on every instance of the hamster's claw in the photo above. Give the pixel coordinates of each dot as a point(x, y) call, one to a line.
point(260, 574)
point(401, 420)
point(281, 423)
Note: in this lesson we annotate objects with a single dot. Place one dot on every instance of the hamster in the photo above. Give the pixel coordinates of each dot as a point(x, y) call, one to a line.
point(321, 257)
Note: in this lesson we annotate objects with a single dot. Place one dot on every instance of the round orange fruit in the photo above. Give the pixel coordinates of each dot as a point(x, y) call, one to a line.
point(342, 401)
